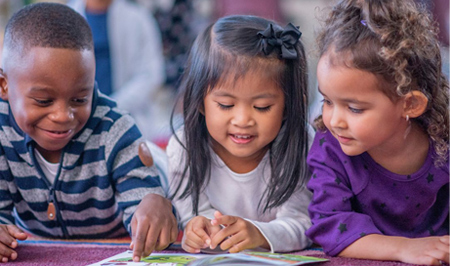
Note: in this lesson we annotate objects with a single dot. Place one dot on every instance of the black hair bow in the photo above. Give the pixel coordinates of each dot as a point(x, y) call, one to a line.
point(284, 39)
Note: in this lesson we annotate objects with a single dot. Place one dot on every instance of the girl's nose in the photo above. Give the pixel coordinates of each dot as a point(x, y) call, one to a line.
point(337, 119)
point(243, 118)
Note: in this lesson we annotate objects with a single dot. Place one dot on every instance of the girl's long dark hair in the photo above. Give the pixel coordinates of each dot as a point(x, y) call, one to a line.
point(230, 48)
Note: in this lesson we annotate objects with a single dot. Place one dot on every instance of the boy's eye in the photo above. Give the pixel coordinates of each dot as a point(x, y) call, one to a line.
point(263, 109)
point(43, 102)
point(80, 100)
point(225, 106)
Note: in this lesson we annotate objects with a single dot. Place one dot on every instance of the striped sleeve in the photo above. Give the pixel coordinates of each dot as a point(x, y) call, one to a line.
point(6, 196)
point(131, 178)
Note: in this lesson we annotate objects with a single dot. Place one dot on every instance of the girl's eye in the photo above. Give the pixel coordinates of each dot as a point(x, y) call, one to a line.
point(225, 106)
point(43, 102)
point(325, 101)
point(355, 110)
point(263, 109)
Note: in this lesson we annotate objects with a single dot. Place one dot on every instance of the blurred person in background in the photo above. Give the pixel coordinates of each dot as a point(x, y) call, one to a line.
point(128, 54)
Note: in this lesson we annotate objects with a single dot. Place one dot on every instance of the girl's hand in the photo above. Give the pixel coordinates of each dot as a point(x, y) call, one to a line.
point(427, 250)
point(198, 233)
point(8, 235)
point(237, 235)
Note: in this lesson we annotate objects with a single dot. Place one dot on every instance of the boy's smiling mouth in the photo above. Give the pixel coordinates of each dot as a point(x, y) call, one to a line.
point(58, 134)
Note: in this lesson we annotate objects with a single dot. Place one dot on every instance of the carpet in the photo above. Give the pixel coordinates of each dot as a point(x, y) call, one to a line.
point(48, 252)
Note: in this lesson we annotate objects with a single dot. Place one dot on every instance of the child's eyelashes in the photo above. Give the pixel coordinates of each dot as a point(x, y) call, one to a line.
point(352, 109)
point(325, 101)
point(80, 100)
point(47, 102)
point(263, 109)
point(225, 106)
point(229, 106)
point(355, 110)
point(43, 102)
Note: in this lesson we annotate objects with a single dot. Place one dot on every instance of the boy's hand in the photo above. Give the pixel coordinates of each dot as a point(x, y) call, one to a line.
point(428, 250)
point(8, 235)
point(198, 233)
point(153, 226)
point(237, 235)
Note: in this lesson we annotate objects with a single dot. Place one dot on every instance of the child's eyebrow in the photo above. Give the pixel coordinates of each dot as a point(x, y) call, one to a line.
point(33, 89)
point(345, 99)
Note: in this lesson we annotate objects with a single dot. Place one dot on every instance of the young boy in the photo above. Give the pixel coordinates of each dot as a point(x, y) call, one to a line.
point(69, 165)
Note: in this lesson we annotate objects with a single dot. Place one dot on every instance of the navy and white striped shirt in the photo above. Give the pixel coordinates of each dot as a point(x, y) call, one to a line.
point(99, 184)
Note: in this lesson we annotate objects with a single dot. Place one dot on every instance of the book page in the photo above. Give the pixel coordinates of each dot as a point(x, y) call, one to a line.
point(181, 259)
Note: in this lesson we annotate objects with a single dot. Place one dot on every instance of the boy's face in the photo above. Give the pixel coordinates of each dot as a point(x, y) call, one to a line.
point(50, 93)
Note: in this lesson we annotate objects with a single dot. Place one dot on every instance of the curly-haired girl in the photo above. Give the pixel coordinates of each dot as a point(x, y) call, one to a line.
point(380, 167)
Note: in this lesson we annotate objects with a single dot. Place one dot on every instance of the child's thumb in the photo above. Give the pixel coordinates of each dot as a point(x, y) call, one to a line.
point(217, 214)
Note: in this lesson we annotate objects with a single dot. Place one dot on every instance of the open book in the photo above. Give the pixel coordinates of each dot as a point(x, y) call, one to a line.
point(236, 259)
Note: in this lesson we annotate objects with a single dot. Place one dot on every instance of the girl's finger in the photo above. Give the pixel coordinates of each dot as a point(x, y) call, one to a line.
point(197, 238)
point(189, 248)
point(222, 235)
point(225, 220)
point(245, 244)
point(232, 241)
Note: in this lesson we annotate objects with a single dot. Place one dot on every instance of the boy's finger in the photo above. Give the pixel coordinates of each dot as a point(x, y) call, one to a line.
point(163, 239)
point(6, 251)
point(7, 240)
point(151, 239)
point(138, 239)
point(13, 255)
point(16, 232)
point(173, 234)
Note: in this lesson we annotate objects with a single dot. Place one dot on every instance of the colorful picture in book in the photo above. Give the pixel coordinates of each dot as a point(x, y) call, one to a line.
point(172, 260)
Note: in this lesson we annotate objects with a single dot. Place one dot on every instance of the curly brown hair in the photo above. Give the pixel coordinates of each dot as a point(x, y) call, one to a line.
point(397, 41)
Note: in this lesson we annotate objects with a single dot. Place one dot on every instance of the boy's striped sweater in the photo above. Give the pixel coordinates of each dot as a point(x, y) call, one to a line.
point(98, 186)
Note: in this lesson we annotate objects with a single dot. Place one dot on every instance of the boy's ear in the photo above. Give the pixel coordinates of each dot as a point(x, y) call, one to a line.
point(415, 104)
point(3, 86)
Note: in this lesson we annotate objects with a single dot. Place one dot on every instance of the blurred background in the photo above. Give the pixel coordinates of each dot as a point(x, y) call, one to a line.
point(171, 26)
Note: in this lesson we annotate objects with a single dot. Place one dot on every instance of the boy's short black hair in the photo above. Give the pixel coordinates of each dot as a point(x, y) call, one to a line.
point(48, 25)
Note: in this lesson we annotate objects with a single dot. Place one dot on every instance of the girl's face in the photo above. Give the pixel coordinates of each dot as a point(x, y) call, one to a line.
point(358, 114)
point(243, 119)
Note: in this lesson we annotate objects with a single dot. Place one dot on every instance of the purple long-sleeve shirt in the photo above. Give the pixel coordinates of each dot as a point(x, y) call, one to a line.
point(354, 196)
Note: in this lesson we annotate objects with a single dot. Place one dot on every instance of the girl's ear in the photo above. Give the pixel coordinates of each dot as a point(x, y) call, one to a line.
point(415, 104)
point(3, 86)
point(201, 109)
